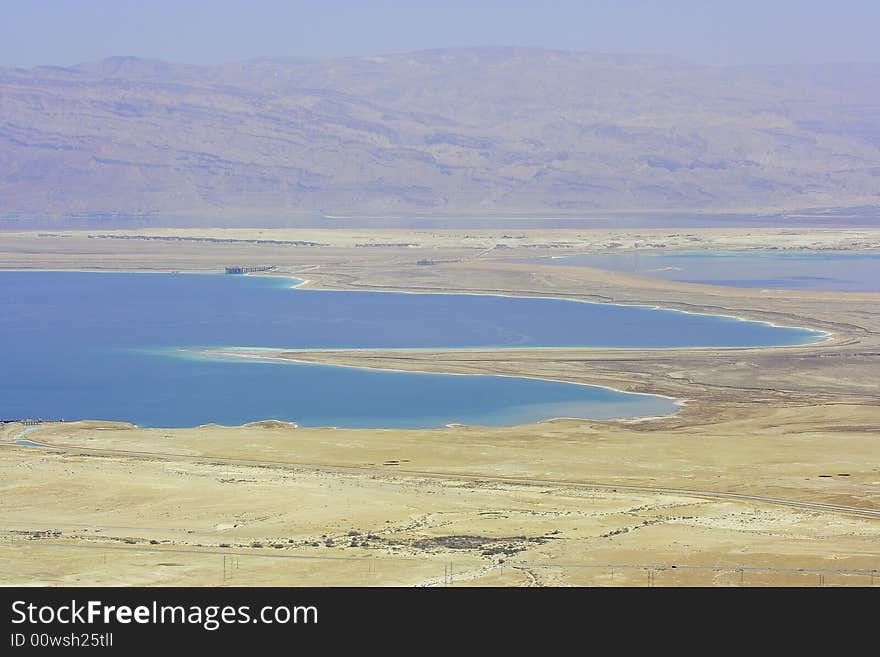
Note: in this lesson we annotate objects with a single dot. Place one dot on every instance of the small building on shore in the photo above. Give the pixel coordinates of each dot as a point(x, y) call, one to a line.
point(248, 270)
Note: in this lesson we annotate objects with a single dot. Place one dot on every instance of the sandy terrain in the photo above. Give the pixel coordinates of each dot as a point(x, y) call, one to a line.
point(770, 474)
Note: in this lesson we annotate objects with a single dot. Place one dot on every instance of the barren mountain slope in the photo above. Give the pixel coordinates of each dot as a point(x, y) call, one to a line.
point(454, 131)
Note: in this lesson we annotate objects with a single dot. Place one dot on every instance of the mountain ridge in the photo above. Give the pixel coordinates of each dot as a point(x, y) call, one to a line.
point(478, 130)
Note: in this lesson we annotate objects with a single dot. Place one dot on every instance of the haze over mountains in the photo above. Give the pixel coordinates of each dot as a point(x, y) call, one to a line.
point(470, 131)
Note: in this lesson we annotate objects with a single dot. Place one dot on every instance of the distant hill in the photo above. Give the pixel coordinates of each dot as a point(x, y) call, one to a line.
point(482, 130)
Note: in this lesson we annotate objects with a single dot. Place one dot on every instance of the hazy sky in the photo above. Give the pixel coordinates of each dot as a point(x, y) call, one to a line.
point(64, 32)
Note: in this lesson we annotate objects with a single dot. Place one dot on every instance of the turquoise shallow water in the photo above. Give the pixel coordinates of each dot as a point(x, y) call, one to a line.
point(843, 272)
point(105, 346)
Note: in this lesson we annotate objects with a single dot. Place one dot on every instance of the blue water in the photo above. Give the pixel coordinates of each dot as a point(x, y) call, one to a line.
point(31, 443)
point(843, 272)
point(105, 346)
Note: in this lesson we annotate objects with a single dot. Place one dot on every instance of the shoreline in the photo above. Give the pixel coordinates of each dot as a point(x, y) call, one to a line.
point(232, 357)
point(679, 402)
point(826, 336)
point(231, 354)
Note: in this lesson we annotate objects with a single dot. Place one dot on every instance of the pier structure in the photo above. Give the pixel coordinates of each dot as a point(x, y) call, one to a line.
point(248, 270)
point(27, 421)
